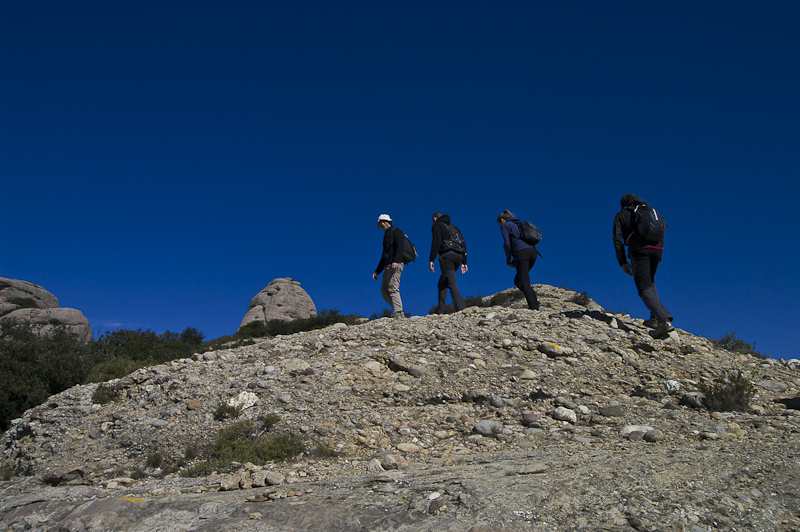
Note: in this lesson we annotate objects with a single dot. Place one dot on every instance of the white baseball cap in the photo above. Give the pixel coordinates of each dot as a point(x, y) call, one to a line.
point(384, 218)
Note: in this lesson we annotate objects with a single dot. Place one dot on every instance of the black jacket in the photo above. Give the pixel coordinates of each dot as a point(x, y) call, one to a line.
point(394, 241)
point(441, 232)
point(625, 232)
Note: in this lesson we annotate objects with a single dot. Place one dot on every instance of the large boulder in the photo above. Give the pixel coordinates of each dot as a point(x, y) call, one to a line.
point(27, 302)
point(282, 299)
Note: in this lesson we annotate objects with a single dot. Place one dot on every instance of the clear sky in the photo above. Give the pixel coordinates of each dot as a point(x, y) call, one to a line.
point(162, 162)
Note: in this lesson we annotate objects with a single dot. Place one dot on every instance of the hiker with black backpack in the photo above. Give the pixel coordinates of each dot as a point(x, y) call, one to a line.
point(519, 254)
point(391, 264)
point(640, 227)
point(449, 244)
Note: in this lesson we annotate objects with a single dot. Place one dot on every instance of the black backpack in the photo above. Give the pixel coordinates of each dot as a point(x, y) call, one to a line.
point(409, 250)
point(529, 233)
point(454, 241)
point(649, 223)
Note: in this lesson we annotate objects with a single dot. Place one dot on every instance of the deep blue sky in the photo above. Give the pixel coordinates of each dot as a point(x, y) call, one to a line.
point(161, 162)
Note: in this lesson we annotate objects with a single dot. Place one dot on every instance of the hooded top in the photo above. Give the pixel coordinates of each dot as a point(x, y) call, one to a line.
point(625, 229)
point(441, 232)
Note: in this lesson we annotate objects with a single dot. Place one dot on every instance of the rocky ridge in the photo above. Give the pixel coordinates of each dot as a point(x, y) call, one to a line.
point(569, 418)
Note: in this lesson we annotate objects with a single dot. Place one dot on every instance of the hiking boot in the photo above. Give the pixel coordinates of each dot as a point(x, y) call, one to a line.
point(651, 323)
point(398, 315)
point(662, 329)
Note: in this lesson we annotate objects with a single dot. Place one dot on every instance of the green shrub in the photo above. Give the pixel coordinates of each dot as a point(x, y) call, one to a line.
point(504, 299)
point(324, 318)
point(6, 473)
point(33, 367)
point(123, 351)
point(737, 345)
point(385, 314)
point(154, 459)
point(106, 393)
point(225, 411)
point(323, 450)
point(580, 298)
point(243, 442)
point(733, 392)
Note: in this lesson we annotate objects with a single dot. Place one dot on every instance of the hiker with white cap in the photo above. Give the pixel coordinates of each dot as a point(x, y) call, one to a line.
point(391, 264)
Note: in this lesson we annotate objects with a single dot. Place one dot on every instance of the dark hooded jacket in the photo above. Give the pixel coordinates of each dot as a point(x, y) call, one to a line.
point(625, 232)
point(441, 233)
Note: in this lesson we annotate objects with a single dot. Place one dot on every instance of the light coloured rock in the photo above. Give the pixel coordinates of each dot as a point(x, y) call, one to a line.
point(282, 299)
point(565, 414)
point(26, 302)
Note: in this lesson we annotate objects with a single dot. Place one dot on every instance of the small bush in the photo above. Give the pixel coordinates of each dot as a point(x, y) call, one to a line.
point(106, 393)
point(737, 345)
point(191, 452)
point(504, 299)
point(474, 301)
point(323, 450)
point(154, 459)
point(6, 473)
point(733, 392)
point(385, 314)
point(225, 411)
point(244, 442)
point(580, 298)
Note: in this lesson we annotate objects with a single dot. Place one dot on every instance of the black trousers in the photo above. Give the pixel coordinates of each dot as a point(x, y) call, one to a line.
point(644, 263)
point(449, 262)
point(525, 259)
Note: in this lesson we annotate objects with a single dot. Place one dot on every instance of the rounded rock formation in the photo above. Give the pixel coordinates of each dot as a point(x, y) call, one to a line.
point(22, 301)
point(282, 299)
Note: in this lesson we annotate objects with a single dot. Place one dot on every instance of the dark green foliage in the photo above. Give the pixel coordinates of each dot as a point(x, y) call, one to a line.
point(580, 298)
point(106, 393)
point(474, 301)
point(23, 302)
point(245, 441)
point(324, 318)
point(122, 351)
point(733, 392)
point(737, 345)
point(323, 450)
point(506, 298)
point(32, 368)
point(385, 314)
point(225, 411)
point(154, 459)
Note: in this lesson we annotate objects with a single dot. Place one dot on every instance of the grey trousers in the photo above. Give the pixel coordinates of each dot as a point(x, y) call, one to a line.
point(390, 287)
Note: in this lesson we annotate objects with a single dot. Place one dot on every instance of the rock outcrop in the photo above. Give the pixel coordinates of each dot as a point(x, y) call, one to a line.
point(490, 419)
point(282, 299)
point(27, 302)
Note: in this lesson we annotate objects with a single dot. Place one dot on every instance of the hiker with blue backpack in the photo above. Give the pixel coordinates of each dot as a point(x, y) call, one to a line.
point(640, 227)
point(520, 254)
point(448, 243)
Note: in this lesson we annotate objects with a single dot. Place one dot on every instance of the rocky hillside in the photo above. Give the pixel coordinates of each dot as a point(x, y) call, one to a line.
point(569, 418)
